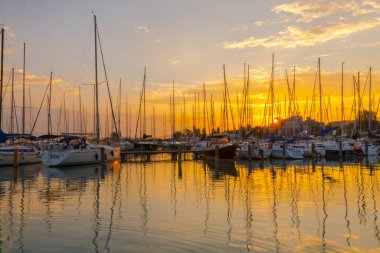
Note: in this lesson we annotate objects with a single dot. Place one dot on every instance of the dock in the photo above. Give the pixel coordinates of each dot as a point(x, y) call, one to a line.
point(155, 152)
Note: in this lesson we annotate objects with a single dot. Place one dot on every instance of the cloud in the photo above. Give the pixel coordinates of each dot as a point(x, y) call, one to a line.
point(371, 44)
point(239, 28)
point(373, 4)
point(295, 36)
point(174, 62)
point(143, 29)
point(258, 23)
point(310, 10)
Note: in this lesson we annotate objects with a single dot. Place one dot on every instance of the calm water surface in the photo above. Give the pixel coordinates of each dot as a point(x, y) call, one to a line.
point(192, 206)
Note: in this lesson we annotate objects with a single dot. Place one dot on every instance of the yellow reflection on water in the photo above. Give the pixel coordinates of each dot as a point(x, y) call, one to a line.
point(156, 203)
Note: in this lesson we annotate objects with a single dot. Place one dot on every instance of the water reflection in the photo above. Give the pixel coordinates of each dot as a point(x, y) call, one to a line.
point(161, 205)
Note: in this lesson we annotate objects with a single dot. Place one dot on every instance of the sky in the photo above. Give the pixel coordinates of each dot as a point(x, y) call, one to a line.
point(187, 42)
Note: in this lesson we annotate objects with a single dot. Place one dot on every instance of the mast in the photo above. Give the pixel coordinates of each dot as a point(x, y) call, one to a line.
point(49, 105)
point(65, 113)
point(80, 112)
point(370, 101)
point(12, 100)
point(96, 85)
point(204, 108)
point(342, 105)
point(294, 90)
point(272, 90)
point(30, 109)
point(359, 104)
point(173, 112)
point(23, 94)
point(119, 111)
point(320, 93)
point(154, 122)
point(126, 116)
point(225, 108)
point(144, 119)
point(170, 114)
point(1, 76)
point(184, 113)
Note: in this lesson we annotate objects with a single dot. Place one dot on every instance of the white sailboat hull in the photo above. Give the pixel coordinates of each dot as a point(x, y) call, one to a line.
point(288, 154)
point(23, 158)
point(26, 155)
point(71, 157)
point(255, 153)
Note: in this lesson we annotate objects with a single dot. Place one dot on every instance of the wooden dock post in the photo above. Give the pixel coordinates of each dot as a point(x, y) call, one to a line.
point(340, 149)
point(283, 150)
point(16, 158)
point(249, 151)
point(261, 152)
point(366, 147)
point(179, 153)
point(217, 153)
point(313, 154)
point(102, 155)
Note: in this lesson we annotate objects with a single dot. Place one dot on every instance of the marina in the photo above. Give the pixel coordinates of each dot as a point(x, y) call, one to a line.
point(189, 126)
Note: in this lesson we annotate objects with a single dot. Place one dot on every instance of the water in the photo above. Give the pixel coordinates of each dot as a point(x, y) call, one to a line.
point(192, 206)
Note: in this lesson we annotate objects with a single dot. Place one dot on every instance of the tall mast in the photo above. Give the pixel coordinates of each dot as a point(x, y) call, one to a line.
point(173, 111)
point(370, 101)
point(170, 114)
point(23, 94)
point(204, 108)
point(342, 105)
point(1, 76)
point(144, 119)
point(119, 111)
point(272, 89)
point(12, 100)
point(80, 112)
point(320, 93)
point(126, 116)
point(294, 91)
point(49, 105)
point(225, 108)
point(359, 104)
point(96, 84)
point(154, 122)
point(30, 109)
point(184, 113)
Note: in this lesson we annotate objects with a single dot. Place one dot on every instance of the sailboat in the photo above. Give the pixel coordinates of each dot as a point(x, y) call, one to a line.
point(79, 152)
point(363, 147)
point(257, 151)
point(26, 154)
point(227, 150)
point(333, 147)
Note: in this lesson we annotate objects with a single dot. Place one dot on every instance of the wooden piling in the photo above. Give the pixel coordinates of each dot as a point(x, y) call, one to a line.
point(283, 150)
point(250, 152)
point(179, 153)
point(217, 153)
point(340, 149)
point(16, 158)
point(313, 154)
point(366, 147)
point(102, 155)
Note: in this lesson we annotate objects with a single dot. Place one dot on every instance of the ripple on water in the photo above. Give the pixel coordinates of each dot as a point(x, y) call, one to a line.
point(196, 206)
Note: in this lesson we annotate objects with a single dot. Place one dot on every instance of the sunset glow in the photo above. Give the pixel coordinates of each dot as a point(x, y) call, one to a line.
point(190, 51)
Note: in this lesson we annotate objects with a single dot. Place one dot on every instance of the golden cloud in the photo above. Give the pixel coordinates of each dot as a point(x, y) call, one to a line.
point(295, 36)
point(315, 9)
